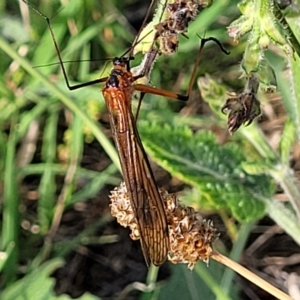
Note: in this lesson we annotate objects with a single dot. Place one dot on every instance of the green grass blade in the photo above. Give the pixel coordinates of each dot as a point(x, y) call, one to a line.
point(73, 106)
point(47, 187)
point(11, 218)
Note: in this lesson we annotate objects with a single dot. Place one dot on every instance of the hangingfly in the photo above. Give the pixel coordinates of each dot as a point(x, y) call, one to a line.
point(139, 180)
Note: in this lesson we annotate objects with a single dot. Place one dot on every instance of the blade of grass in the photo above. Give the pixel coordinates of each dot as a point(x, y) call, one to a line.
point(29, 116)
point(38, 169)
point(98, 180)
point(47, 187)
point(61, 249)
point(203, 272)
point(10, 228)
point(74, 107)
point(235, 254)
point(75, 156)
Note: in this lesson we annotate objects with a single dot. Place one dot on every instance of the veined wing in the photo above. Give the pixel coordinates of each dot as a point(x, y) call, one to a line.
point(139, 180)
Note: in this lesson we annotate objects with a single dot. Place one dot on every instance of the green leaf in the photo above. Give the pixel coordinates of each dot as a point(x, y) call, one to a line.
point(287, 141)
point(288, 85)
point(257, 167)
point(202, 283)
point(215, 170)
point(38, 285)
point(47, 187)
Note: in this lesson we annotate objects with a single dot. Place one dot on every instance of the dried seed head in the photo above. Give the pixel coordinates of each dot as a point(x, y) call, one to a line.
point(243, 108)
point(176, 21)
point(191, 236)
point(121, 209)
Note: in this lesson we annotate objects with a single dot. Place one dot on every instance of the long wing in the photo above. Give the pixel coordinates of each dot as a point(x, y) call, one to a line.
point(140, 183)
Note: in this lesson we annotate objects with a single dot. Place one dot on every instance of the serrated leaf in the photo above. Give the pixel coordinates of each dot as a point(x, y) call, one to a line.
point(215, 170)
point(214, 93)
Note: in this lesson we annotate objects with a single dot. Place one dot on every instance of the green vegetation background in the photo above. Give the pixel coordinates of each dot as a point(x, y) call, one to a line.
point(236, 179)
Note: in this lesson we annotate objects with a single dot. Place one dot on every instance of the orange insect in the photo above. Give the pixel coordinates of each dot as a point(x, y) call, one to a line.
point(139, 180)
point(142, 189)
point(140, 183)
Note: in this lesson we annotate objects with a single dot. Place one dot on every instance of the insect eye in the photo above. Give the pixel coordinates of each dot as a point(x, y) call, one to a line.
point(117, 61)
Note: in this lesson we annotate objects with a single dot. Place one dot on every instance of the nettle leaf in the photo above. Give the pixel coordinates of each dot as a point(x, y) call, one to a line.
point(215, 170)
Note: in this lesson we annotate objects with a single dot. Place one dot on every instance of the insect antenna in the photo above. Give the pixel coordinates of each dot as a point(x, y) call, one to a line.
point(70, 87)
